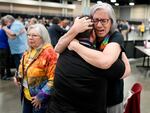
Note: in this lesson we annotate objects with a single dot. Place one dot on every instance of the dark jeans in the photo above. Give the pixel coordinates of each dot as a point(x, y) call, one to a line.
point(17, 58)
point(28, 108)
point(5, 62)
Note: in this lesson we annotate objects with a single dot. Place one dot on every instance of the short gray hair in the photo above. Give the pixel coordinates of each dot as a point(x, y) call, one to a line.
point(42, 31)
point(110, 11)
point(9, 18)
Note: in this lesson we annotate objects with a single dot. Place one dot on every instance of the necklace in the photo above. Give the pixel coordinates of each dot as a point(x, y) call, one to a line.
point(104, 42)
point(33, 53)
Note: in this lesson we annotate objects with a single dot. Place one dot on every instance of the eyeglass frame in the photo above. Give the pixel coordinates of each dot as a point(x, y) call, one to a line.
point(96, 21)
point(33, 35)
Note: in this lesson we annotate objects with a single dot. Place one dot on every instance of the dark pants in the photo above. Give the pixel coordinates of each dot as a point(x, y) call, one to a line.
point(28, 108)
point(5, 62)
point(17, 58)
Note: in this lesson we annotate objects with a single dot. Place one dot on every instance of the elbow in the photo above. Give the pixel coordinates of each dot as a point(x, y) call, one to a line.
point(57, 48)
point(106, 66)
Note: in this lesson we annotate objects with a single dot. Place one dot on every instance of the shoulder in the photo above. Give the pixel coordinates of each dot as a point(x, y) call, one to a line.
point(116, 37)
point(17, 24)
point(49, 51)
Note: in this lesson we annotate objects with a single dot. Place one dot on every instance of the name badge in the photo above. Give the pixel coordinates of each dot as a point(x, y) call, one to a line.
point(25, 84)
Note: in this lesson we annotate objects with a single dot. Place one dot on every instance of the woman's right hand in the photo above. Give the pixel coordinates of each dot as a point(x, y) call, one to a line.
point(16, 81)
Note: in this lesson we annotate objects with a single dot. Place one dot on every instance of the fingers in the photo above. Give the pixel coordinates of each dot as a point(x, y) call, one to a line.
point(39, 105)
point(82, 24)
point(16, 82)
point(92, 36)
point(35, 102)
point(88, 22)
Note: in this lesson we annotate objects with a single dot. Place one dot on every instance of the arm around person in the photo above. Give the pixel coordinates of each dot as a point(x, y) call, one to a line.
point(103, 60)
point(99, 59)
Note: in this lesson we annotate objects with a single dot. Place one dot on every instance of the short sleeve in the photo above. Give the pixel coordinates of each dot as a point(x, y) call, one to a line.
point(118, 38)
point(16, 27)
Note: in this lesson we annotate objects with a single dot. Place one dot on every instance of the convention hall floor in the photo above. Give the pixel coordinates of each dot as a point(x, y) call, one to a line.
point(9, 93)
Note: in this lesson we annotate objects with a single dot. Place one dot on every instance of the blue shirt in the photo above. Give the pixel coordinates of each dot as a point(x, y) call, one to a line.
point(19, 44)
point(3, 39)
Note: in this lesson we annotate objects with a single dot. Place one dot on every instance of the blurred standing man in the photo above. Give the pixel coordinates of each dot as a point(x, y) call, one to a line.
point(125, 29)
point(55, 31)
point(64, 24)
point(17, 37)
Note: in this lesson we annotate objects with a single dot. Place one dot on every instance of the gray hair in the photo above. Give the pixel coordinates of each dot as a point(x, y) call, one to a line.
point(9, 18)
point(34, 20)
point(42, 31)
point(3, 21)
point(110, 11)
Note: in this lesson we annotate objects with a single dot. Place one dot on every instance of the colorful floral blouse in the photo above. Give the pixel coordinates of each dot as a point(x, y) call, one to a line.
point(37, 70)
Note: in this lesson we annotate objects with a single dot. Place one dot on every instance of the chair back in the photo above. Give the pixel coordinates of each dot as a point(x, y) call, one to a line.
point(133, 102)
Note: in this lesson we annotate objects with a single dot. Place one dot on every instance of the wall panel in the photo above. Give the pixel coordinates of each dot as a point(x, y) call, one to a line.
point(51, 11)
point(138, 12)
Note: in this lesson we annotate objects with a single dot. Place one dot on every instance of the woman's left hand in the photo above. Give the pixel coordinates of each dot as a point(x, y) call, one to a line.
point(72, 44)
point(36, 102)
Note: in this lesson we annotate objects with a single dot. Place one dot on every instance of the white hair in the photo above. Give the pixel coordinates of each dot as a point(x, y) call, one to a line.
point(42, 31)
point(109, 9)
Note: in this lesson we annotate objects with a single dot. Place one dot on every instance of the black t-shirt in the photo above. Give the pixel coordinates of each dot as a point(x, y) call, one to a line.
point(79, 86)
point(55, 32)
point(115, 86)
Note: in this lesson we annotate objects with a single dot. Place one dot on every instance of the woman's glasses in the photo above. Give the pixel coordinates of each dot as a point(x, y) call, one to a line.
point(103, 21)
point(33, 35)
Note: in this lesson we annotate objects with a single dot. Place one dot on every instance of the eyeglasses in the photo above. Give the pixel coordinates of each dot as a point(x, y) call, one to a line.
point(103, 21)
point(33, 35)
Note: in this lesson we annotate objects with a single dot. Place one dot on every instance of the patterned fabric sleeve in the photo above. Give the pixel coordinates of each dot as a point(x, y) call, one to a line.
point(46, 91)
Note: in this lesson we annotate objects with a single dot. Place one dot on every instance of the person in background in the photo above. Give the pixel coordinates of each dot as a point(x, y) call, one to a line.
point(4, 54)
point(109, 42)
point(64, 24)
point(17, 38)
point(119, 24)
point(142, 29)
point(32, 21)
point(36, 70)
point(55, 31)
point(125, 29)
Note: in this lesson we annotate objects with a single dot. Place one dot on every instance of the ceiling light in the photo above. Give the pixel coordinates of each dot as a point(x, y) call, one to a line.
point(99, 2)
point(131, 3)
point(113, 1)
point(116, 4)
